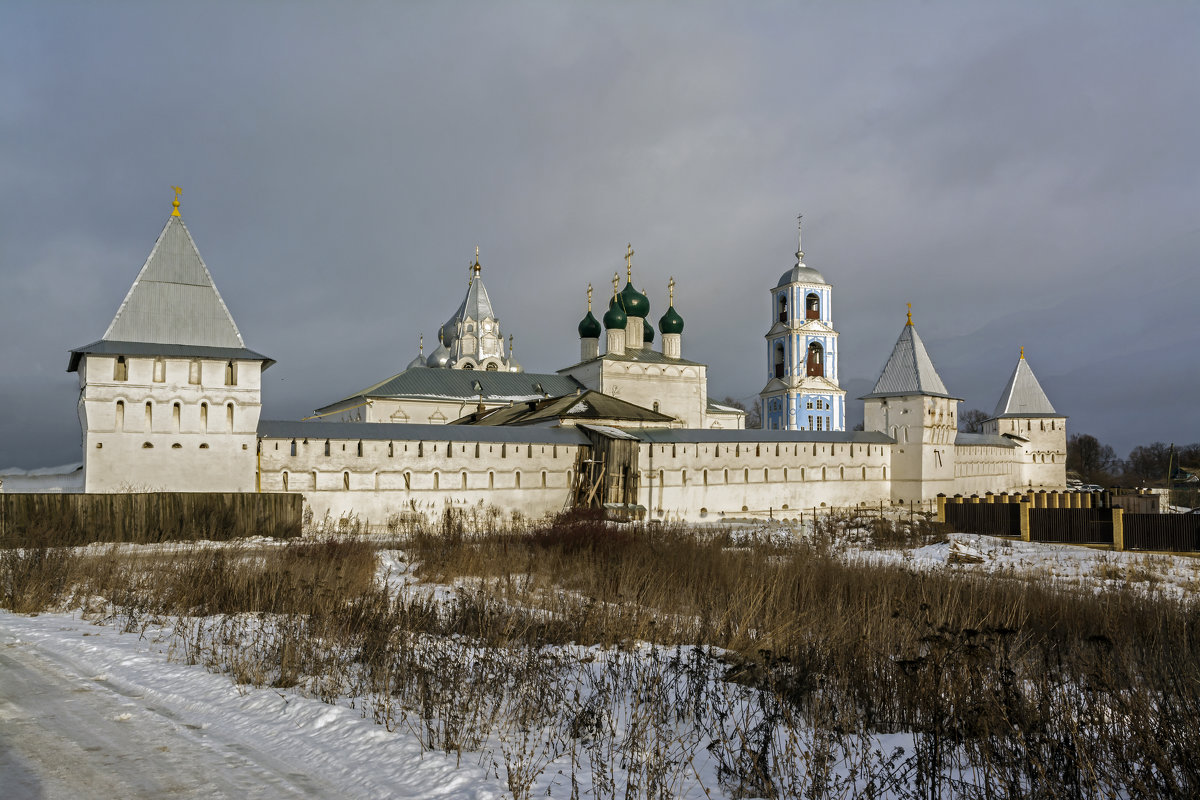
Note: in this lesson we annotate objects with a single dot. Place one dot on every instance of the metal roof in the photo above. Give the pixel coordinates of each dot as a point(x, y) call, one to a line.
point(759, 436)
point(103, 347)
point(985, 439)
point(909, 370)
point(459, 384)
point(801, 274)
point(643, 355)
point(283, 429)
point(173, 299)
point(1023, 395)
point(590, 405)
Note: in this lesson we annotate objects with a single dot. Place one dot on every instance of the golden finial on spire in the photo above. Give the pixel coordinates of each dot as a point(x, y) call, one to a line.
point(175, 203)
point(589, 298)
point(909, 314)
point(799, 233)
point(671, 291)
point(421, 346)
point(476, 266)
point(1022, 351)
point(616, 283)
point(629, 263)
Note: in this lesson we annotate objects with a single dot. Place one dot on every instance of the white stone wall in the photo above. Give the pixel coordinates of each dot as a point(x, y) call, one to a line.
point(195, 437)
point(979, 469)
point(409, 476)
point(1043, 458)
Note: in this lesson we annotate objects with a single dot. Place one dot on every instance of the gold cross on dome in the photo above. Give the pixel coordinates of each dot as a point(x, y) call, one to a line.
point(629, 263)
point(671, 290)
point(589, 297)
point(616, 283)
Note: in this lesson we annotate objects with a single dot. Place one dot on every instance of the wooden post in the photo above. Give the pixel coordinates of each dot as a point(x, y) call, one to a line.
point(1024, 520)
point(1085, 499)
point(1118, 523)
point(989, 498)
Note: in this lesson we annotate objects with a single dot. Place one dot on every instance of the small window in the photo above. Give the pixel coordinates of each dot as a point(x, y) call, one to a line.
point(543, 479)
point(517, 479)
point(194, 372)
point(147, 446)
point(346, 481)
point(177, 446)
point(327, 448)
point(229, 417)
point(491, 367)
point(149, 417)
point(231, 373)
point(204, 417)
point(120, 421)
point(121, 369)
point(464, 480)
point(285, 481)
point(656, 406)
point(204, 445)
point(175, 416)
point(360, 449)
point(812, 306)
point(160, 370)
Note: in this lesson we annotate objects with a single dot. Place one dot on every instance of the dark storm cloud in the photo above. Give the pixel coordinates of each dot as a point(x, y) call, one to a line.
point(1025, 175)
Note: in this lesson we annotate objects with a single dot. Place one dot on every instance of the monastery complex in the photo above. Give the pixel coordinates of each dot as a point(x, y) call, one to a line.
point(170, 397)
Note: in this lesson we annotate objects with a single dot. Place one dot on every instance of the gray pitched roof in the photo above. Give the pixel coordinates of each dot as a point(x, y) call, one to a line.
point(173, 300)
point(459, 384)
point(167, 350)
point(909, 370)
point(643, 355)
point(758, 436)
point(589, 405)
point(1023, 395)
point(376, 431)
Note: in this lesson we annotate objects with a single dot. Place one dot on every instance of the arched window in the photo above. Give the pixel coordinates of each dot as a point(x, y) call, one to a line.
point(327, 447)
point(468, 366)
point(779, 360)
point(231, 373)
point(346, 481)
point(781, 306)
point(120, 421)
point(285, 481)
point(293, 448)
point(491, 480)
point(816, 360)
point(175, 416)
point(360, 449)
point(229, 417)
point(491, 367)
point(204, 417)
point(543, 479)
point(812, 306)
point(464, 480)
point(149, 417)
point(517, 479)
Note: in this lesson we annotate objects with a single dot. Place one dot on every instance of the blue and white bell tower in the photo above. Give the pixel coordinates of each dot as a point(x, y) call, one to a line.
point(802, 391)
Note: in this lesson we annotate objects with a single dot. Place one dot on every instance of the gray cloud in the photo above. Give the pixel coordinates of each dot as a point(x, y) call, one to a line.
point(1024, 175)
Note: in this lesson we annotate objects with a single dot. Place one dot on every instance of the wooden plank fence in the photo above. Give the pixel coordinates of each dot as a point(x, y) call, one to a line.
point(61, 520)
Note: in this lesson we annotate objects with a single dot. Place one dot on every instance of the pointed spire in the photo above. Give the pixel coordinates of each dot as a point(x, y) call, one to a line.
point(476, 266)
point(909, 369)
point(175, 203)
point(799, 239)
point(909, 323)
point(1023, 396)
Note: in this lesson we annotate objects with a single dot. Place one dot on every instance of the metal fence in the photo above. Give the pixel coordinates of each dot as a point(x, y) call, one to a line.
point(995, 519)
point(31, 520)
point(1071, 525)
point(1178, 532)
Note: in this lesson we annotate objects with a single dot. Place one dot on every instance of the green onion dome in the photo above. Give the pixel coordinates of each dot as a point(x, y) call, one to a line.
point(671, 322)
point(634, 302)
point(648, 334)
point(614, 318)
point(589, 328)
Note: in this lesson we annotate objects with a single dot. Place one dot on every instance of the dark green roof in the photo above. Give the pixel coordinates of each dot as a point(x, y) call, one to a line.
point(615, 317)
point(633, 302)
point(589, 327)
point(671, 322)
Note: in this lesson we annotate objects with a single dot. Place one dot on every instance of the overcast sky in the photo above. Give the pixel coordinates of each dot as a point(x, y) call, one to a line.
point(1023, 173)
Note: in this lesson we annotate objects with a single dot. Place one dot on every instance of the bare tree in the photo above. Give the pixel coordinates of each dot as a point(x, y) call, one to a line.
point(753, 413)
point(971, 421)
point(1092, 460)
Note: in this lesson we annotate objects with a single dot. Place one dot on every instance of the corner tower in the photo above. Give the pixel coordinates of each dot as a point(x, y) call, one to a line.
point(169, 397)
point(802, 391)
point(1025, 415)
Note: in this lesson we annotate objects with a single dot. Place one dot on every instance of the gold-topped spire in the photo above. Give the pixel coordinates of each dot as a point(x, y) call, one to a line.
point(909, 315)
point(616, 283)
point(799, 235)
point(671, 291)
point(629, 263)
point(589, 298)
point(476, 264)
point(421, 346)
point(1022, 352)
point(175, 202)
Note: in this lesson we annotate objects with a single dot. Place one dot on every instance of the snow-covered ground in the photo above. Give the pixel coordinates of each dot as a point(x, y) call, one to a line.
point(89, 711)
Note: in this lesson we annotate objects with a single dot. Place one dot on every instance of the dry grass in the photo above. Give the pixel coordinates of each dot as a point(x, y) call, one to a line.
point(1011, 688)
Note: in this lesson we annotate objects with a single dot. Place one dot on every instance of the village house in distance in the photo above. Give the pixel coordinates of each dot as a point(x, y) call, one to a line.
point(170, 398)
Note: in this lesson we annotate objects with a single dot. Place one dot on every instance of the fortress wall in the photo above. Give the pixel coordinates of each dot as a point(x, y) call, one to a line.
point(979, 469)
point(410, 476)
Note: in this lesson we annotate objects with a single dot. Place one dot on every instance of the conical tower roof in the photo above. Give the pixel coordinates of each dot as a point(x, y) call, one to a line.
point(909, 369)
point(172, 308)
point(173, 300)
point(1023, 395)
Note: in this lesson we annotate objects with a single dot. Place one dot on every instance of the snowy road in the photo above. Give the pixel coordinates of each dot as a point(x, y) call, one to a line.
point(86, 712)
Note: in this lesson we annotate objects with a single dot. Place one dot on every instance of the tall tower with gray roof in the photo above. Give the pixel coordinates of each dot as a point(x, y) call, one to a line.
point(471, 339)
point(802, 390)
point(170, 395)
point(1026, 416)
point(910, 403)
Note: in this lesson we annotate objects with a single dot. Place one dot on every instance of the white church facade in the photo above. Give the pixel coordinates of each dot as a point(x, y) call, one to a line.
point(170, 399)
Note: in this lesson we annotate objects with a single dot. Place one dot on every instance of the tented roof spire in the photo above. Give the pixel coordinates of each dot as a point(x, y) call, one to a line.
point(1023, 395)
point(909, 369)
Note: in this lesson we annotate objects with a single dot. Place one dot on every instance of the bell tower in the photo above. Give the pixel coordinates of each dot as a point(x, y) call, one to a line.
point(802, 391)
